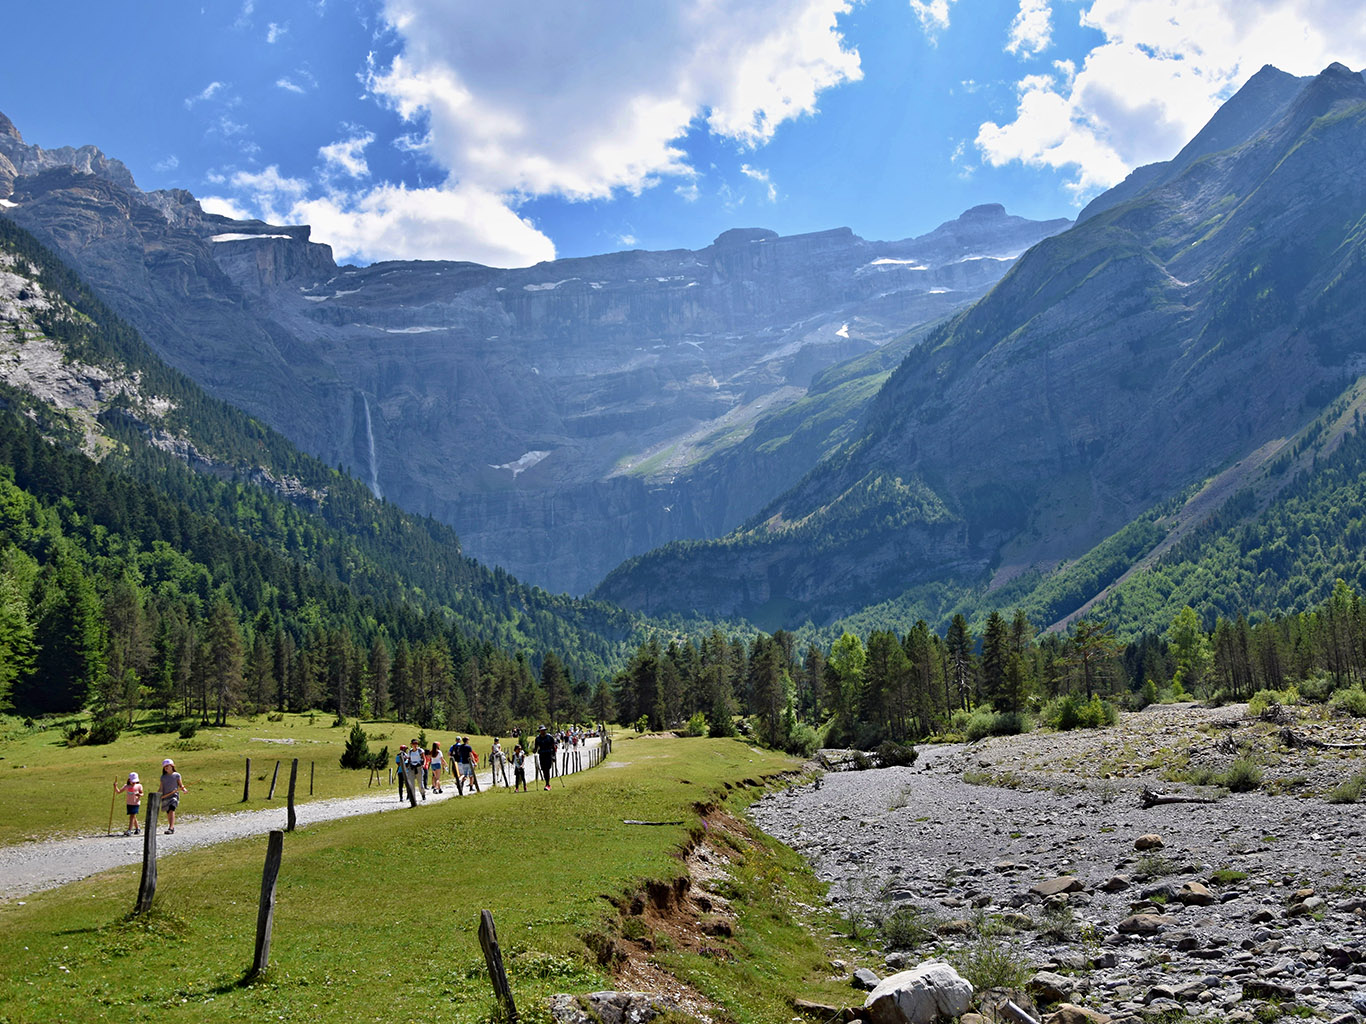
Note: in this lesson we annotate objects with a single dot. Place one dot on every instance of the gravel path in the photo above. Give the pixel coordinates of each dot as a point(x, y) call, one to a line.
point(961, 856)
point(31, 867)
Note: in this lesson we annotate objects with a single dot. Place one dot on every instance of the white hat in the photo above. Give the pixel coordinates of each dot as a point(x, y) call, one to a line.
point(166, 762)
point(132, 776)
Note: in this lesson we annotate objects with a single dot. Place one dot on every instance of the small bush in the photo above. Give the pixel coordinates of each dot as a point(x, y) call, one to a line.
point(1263, 699)
point(908, 927)
point(891, 754)
point(1227, 876)
point(275, 716)
point(1349, 791)
point(1243, 776)
point(695, 726)
point(357, 752)
point(1350, 700)
point(991, 963)
point(188, 728)
point(1316, 688)
point(106, 730)
point(802, 740)
point(74, 734)
point(986, 722)
point(1071, 712)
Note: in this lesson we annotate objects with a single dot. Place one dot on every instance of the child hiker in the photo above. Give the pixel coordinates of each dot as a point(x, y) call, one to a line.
point(171, 788)
point(134, 790)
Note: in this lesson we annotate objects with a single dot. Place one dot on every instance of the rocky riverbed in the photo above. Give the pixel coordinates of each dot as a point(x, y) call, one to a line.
point(1031, 859)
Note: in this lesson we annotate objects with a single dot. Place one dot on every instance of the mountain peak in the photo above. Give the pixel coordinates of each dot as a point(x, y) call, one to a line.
point(8, 131)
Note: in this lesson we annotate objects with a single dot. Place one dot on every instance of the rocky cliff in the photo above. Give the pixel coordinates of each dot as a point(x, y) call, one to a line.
point(1173, 331)
point(562, 417)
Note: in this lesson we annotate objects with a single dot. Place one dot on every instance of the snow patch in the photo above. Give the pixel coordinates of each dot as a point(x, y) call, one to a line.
point(410, 330)
point(887, 261)
point(843, 332)
point(7, 204)
point(523, 464)
point(549, 286)
point(243, 238)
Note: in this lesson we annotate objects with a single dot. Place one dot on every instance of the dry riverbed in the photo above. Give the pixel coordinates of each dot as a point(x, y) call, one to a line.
point(1251, 908)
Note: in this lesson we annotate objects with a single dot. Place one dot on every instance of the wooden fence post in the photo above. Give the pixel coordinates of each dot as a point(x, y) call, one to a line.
point(147, 888)
point(265, 915)
point(246, 783)
point(273, 779)
point(293, 774)
point(310, 778)
point(493, 956)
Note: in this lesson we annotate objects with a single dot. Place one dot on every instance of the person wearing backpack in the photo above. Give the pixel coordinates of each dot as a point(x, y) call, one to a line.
point(133, 787)
point(417, 764)
point(518, 768)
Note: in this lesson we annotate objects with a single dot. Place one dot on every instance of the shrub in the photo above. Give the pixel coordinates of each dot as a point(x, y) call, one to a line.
point(1243, 776)
point(696, 725)
point(992, 963)
point(986, 722)
point(1316, 688)
point(188, 728)
point(1071, 712)
point(891, 754)
point(1263, 699)
point(908, 927)
point(1349, 791)
point(802, 740)
point(106, 730)
point(1350, 700)
point(74, 734)
point(357, 752)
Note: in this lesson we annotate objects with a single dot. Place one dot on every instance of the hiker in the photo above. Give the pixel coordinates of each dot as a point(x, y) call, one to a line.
point(464, 765)
point(544, 749)
point(436, 765)
point(417, 764)
point(498, 761)
point(172, 785)
point(133, 788)
point(401, 759)
point(518, 768)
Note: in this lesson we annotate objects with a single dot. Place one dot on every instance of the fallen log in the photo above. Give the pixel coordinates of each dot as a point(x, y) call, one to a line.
point(1153, 797)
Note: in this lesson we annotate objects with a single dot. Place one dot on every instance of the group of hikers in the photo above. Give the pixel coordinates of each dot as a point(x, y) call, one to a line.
point(170, 788)
point(425, 765)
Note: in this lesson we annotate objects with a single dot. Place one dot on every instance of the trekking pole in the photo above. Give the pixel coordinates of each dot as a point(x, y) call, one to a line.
point(112, 801)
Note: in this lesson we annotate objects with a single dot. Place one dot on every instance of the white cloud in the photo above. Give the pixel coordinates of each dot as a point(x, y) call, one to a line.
point(762, 177)
point(274, 31)
point(627, 241)
point(208, 93)
point(585, 100)
point(347, 156)
point(169, 163)
point(289, 85)
point(933, 15)
point(689, 192)
point(1032, 29)
point(1163, 68)
point(390, 222)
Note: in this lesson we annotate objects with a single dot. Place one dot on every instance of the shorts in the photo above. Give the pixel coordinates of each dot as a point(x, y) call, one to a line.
point(466, 768)
point(170, 803)
point(133, 809)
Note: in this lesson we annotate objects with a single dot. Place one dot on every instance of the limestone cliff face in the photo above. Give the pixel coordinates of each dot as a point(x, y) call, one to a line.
point(562, 417)
point(1167, 335)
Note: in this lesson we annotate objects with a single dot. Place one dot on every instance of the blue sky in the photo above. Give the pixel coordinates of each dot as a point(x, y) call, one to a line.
point(512, 131)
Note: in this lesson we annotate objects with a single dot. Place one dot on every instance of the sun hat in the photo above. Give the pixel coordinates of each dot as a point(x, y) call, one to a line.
point(132, 776)
point(166, 762)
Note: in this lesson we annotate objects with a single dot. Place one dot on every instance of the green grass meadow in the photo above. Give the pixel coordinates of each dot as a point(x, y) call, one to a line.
point(66, 791)
point(376, 917)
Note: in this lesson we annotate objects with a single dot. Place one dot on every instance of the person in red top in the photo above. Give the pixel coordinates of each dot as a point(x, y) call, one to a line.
point(133, 788)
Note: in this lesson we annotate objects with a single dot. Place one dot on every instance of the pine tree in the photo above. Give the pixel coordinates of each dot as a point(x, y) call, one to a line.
point(357, 751)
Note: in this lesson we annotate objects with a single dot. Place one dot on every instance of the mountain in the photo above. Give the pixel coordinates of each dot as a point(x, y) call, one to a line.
point(1188, 327)
point(140, 517)
point(562, 417)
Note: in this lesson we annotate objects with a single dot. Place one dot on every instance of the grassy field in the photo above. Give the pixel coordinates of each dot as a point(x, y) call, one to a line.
point(376, 917)
point(57, 790)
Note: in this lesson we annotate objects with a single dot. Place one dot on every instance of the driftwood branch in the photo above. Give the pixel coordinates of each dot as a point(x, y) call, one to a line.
point(1010, 1011)
point(1295, 741)
point(1153, 797)
point(633, 821)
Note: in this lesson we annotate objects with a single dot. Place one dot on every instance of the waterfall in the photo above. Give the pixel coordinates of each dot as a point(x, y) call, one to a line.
point(370, 439)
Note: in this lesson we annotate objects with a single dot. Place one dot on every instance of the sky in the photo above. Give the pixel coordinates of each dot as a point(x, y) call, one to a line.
point(508, 132)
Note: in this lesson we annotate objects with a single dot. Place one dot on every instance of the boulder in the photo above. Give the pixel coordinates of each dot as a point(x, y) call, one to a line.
point(1151, 841)
point(1050, 987)
point(919, 996)
point(864, 979)
point(1193, 894)
point(1145, 924)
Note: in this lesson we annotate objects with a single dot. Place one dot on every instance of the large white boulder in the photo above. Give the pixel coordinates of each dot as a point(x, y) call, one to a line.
point(921, 996)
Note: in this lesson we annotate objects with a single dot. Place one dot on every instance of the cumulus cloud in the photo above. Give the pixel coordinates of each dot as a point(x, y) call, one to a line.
point(274, 31)
point(1032, 29)
point(933, 15)
point(1162, 69)
point(390, 222)
point(347, 156)
point(289, 85)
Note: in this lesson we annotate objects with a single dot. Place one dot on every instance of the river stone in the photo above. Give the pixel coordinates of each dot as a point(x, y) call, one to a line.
point(1145, 924)
point(1151, 841)
point(1057, 886)
point(1049, 987)
point(1193, 894)
point(608, 1007)
point(864, 979)
point(919, 996)
point(1069, 1013)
